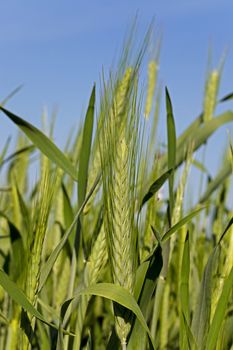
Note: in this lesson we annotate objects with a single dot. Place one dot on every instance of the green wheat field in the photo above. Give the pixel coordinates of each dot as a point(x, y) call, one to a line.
point(103, 248)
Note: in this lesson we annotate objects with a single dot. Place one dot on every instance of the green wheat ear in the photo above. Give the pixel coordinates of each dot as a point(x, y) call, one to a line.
point(151, 86)
point(36, 239)
point(92, 272)
point(117, 152)
point(211, 94)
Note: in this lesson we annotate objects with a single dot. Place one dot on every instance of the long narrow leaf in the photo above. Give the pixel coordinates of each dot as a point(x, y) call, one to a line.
point(191, 340)
point(184, 279)
point(171, 136)
point(19, 297)
point(182, 222)
point(219, 313)
point(138, 334)
point(216, 182)
point(121, 296)
point(86, 149)
point(43, 143)
point(198, 138)
point(155, 187)
point(184, 295)
point(201, 317)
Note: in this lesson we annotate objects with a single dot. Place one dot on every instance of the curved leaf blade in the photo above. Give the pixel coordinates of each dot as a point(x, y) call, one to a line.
point(145, 287)
point(182, 222)
point(201, 316)
point(43, 143)
point(86, 149)
point(19, 297)
point(219, 313)
point(121, 296)
point(154, 188)
point(171, 136)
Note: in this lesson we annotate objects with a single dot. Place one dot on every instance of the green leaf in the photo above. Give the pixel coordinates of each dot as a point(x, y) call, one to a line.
point(155, 187)
point(19, 297)
point(219, 313)
point(201, 135)
point(68, 214)
point(4, 150)
point(171, 136)
point(200, 166)
point(24, 212)
point(121, 296)
point(191, 340)
point(218, 180)
point(86, 149)
point(16, 154)
point(4, 319)
point(227, 97)
point(184, 295)
point(11, 94)
point(17, 261)
point(201, 316)
point(43, 143)
point(17, 252)
point(191, 129)
point(226, 229)
point(146, 283)
point(179, 224)
point(197, 135)
point(184, 280)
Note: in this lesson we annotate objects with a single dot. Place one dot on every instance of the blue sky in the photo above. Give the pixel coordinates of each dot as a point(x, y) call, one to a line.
point(57, 49)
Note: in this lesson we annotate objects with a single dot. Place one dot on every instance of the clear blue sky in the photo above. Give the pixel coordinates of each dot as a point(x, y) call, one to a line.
point(57, 48)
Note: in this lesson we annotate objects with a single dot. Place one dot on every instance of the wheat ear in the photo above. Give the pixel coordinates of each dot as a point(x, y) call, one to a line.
point(151, 86)
point(118, 194)
point(211, 93)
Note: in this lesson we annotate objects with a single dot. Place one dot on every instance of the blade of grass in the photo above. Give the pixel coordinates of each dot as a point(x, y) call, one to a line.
point(182, 222)
point(219, 313)
point(191, 339)
point(121, 296)
point(171, 136)
point(216, 182)
point(11, 94)
point(154, 188)
point(43, 143)
point(20, 298)
point(16, 154)
point(184, 294)
point(5, 149)
point(197, 138)
point(148, 284)
point(201, 316)
point(68, 214)
point(86, 149)
point(184, 283)
point(226, 97)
